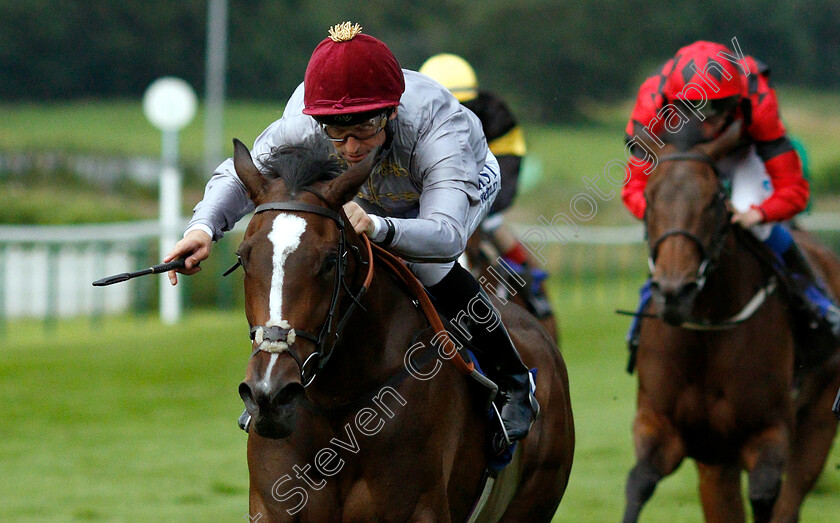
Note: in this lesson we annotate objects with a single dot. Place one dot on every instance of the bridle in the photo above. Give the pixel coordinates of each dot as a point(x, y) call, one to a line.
point(708, 254)
point(285, 335)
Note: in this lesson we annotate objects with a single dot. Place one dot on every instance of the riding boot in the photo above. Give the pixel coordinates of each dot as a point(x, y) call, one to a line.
point(536, 297)
point(810, 295)
point(461, 298)
point(636, 327)
point(532, 282)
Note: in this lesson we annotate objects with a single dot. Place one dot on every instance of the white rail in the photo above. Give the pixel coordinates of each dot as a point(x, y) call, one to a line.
point(46, 271)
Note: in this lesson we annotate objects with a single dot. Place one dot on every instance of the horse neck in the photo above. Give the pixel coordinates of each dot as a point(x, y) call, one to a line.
point(734, 280)
point(368, 351)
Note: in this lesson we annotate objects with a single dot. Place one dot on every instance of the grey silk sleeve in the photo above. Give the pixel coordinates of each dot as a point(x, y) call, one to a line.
point(225, 202)
point(225, 199)
point(439, 233)
point(451, 194)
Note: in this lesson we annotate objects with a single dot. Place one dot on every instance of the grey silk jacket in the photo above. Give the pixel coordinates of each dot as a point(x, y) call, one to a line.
point(436, 180)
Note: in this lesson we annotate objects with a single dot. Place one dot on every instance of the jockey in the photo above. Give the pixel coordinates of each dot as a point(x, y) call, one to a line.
point(433, 182)
point(711, 86)
point(507, 143)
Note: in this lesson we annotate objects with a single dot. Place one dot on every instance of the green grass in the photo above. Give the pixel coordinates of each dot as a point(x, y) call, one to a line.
point(119, 127)
point(127, 420)
point(570, 158)
point(603, 401)
point(69, 204)
point(561, 157)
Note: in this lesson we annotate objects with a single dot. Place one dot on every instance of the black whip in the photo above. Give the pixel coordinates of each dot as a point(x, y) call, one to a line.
point(155, 269)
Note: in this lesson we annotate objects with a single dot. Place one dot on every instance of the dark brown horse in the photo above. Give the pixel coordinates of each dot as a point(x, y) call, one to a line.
point(716, 361)
point(356, 414)
point(484, 259)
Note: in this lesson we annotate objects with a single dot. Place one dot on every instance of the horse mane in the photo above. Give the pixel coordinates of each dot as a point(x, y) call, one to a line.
point(301, 166)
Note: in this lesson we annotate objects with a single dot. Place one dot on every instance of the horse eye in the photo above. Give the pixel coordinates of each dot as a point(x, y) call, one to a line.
point(329, 263)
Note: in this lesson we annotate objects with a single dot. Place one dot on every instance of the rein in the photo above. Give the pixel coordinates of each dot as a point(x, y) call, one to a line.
point(709, 256)
point(280, 338)
point(743, 315)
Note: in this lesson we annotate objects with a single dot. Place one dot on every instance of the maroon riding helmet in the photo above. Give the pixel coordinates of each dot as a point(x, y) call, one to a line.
point(349, 76)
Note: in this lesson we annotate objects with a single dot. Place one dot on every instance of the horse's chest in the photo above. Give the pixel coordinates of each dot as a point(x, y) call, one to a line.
point(712, 424)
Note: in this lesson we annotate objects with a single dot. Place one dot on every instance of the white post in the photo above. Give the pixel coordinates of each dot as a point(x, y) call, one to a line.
point(170, 222)
point(214, 81)
point(169, 103)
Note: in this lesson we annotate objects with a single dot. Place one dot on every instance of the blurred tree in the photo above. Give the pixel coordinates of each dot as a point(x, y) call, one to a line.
point(547, 56)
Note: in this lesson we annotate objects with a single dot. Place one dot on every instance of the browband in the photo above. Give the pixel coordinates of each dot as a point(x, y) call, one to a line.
point(300, 206)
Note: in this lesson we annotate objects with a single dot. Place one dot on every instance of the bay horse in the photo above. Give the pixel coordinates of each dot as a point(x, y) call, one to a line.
point(721, 372)
point(355, 415)
point(484, 259)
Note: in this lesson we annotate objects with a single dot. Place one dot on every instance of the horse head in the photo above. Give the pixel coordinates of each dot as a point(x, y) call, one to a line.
point(301, 258)
point(686, 220)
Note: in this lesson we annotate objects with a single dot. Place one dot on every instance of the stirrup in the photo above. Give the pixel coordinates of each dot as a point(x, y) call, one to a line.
point(500, 440)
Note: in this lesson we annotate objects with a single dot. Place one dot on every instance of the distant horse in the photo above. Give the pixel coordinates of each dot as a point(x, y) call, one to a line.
point(484, 260)
point(356, 414)
point(717, 355)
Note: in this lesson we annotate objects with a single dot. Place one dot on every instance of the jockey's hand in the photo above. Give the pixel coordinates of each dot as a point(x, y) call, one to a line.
point(195, 246)
point(748, 218)
point(359, 219)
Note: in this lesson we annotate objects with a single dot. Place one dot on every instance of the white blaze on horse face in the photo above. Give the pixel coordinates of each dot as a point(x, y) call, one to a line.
point(266, 381)
point(285, 235)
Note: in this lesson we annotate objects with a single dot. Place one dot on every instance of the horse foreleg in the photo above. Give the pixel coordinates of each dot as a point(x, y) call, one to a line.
point(815, 430)
point(720, 492)
point(431, 507)
point(659, 451)
point(257, 508)
point(764, 457)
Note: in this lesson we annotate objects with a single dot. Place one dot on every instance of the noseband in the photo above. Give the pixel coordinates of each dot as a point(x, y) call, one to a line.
point(284, 335)
point(710, 254)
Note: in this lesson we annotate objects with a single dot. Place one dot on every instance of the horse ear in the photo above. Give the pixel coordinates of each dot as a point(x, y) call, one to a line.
point(344, 188)
point(246, 170)
point(725, 143)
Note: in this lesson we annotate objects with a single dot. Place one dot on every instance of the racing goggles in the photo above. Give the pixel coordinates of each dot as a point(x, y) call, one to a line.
point(714, 108)
point(364, 130)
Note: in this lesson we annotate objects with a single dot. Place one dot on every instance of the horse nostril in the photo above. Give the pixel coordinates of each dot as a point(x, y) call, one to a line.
point(288, 394)
point(688, 290)
point(655, 287)
point(247, 396)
